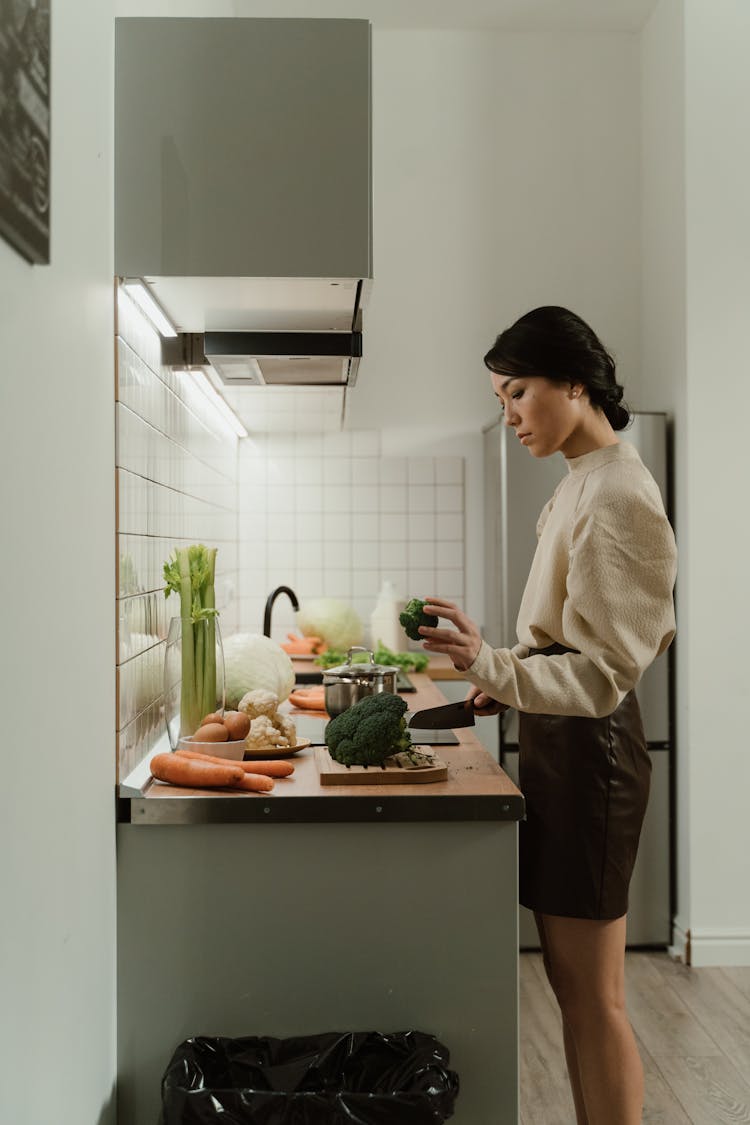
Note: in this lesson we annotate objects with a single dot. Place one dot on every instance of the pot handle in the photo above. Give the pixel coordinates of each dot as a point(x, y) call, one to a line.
point(358, 648)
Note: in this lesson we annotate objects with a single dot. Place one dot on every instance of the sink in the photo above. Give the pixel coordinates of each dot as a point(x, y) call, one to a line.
point(308, 677)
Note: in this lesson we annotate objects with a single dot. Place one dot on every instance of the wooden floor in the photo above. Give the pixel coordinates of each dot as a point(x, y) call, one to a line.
point(693, 1031)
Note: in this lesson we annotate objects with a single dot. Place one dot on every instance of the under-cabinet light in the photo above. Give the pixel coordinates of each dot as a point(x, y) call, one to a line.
point(139, 292)
point(204, 384)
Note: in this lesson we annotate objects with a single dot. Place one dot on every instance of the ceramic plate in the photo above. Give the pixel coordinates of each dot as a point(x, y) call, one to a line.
point(276, 752)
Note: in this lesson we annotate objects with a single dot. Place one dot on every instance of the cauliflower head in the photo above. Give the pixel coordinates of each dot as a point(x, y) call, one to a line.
point(259, 702)
point(264, 735)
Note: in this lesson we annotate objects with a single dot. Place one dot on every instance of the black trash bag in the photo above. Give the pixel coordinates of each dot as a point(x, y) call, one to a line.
point(356, 1078)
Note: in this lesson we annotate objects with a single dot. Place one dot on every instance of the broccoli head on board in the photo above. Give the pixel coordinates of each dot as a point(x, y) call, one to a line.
point(368, 732)
point(413, 615)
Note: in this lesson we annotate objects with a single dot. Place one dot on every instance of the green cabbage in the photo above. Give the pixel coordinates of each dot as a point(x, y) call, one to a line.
point(331, 619)
point(253, 661)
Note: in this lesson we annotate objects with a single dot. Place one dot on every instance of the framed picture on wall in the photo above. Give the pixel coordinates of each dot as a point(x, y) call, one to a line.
point(25, 127)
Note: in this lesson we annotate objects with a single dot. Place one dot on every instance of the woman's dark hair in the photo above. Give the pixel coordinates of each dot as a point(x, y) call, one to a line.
point(555, 343)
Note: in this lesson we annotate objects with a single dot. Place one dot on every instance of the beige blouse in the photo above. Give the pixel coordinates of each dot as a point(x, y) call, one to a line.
point(601, 583)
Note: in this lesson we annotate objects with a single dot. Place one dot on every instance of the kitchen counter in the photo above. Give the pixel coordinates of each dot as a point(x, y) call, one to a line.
point(380, 908)
point(475, 789)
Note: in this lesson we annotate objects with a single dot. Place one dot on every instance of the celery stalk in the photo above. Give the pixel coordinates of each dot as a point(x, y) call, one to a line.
point(190, 572)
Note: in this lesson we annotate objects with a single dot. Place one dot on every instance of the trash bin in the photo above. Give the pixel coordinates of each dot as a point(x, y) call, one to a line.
point(328, 1079)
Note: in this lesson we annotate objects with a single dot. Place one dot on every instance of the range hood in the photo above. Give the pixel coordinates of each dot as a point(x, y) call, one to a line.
point(284, 359)
point(289, 334)
point(245, 203)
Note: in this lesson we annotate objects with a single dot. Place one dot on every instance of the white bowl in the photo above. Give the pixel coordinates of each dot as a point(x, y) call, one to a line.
point(233, 750)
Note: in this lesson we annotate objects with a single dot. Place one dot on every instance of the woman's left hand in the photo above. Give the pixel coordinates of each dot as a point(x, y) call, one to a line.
point(461, 644)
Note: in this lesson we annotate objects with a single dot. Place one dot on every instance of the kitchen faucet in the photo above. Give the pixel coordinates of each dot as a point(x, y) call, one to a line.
point(269, 605)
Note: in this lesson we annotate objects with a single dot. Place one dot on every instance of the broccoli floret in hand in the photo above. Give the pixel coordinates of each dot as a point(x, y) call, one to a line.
point(369, 731)
point(413, 616)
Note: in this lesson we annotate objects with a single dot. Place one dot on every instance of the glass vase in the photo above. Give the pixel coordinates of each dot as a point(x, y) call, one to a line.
point(193, 681)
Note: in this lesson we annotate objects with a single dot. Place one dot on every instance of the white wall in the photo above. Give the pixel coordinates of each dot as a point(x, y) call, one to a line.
point(505, 176)
point(717, 176)
point(696, 293)
point(662, 382)
point(57, 864)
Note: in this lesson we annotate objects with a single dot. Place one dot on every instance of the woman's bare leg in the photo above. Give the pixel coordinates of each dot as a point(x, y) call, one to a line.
point(587, 972)
point(571, 1058)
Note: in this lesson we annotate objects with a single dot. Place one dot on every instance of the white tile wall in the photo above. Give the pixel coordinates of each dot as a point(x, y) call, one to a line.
point(176, 484)
point(331, 517)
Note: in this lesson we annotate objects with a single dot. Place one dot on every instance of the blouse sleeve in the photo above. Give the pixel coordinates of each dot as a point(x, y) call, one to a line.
point(618, 614)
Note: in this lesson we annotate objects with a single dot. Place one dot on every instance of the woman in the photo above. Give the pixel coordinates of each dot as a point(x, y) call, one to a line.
point(597, 610)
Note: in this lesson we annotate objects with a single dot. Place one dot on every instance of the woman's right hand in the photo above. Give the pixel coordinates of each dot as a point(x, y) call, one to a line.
point(484, 704)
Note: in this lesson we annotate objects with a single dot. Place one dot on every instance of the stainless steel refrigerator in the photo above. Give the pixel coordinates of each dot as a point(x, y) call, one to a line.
point(517, 486)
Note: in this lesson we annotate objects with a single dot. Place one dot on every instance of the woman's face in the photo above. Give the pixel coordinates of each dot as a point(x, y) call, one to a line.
point(547, 417)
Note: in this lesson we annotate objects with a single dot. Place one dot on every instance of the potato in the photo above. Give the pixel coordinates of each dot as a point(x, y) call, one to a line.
point(214, 717)
point(237, 723)
point(211, 732)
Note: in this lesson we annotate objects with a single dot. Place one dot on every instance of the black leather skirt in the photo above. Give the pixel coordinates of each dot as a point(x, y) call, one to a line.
point(586, 784)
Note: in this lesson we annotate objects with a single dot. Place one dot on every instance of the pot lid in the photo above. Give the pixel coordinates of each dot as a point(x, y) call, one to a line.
point(360, 671)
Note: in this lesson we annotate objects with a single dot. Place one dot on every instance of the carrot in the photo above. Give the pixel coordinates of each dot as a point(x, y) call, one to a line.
point(254, 782)
point(302, 646)
point(309, 699)
point(194, 775)
point(270, 769)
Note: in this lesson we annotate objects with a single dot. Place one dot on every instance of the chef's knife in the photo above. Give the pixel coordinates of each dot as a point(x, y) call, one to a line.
point(445, 717)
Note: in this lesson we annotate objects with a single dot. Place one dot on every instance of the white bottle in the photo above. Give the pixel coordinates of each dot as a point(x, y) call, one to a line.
point(385, 627)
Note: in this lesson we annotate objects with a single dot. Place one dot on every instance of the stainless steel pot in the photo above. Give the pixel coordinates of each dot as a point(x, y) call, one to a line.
point(347, 683)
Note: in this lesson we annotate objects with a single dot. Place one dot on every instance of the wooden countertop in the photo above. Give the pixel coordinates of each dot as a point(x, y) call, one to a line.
point(476, 789)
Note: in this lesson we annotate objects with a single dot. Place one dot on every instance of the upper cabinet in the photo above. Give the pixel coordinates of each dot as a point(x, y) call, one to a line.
point(243, 148)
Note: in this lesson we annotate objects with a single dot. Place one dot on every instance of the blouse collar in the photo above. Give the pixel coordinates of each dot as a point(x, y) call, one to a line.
point(621, 451)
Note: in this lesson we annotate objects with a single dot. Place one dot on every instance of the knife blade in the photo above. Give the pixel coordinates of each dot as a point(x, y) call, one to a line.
point(445, 717)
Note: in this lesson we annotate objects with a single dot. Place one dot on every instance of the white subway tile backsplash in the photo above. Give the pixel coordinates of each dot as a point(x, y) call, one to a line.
point(366, 554)
point(393, 470)
point(336, 470)
point(280, 528)
point(307, 526)
point(365, 470)
point(309, 498)
point(337, 583)
point(337, 526)
point(281, 498)
point(450, 498)
point(393, 525)
point(450, 554)
point(393, 498)
point(449, 583)
point(337, 498)
point(449, 525)
point(393, 555)
point(366, 584)
point(365, 526)
point(449, 470)
point(308, 470)
point(421, 498)
point(422, 526)
point(366, 498)
point(421, 470)
point(421, 582)
point(309, 556)
point(337, 555)
point(421, 554)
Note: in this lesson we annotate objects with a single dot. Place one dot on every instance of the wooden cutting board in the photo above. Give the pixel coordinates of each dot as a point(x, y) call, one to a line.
point(333, 773)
